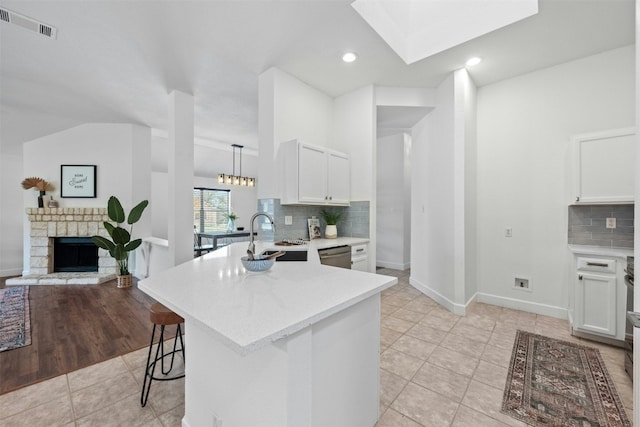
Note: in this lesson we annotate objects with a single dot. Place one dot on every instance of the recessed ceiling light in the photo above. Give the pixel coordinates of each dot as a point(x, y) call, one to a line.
point(473, 61)
point(349, 57)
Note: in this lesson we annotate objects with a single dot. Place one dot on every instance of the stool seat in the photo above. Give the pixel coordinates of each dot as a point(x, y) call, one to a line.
point(161, 315)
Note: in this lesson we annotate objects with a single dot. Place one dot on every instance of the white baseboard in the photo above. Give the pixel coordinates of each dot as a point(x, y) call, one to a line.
point(459, 309)
point(393, 265)
point(528, 306)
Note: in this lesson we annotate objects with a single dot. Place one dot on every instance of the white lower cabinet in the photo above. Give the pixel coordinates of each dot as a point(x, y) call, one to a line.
point(597, 303)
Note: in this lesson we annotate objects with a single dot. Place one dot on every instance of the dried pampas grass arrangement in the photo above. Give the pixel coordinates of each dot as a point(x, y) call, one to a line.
point(37, 183)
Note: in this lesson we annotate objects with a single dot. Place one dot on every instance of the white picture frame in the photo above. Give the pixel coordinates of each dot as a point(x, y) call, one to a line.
point(314, 228)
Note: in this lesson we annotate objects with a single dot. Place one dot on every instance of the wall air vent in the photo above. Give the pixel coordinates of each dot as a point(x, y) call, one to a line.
point(27, 23)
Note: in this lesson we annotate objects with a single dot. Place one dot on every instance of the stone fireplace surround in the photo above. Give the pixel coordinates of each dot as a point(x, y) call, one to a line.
point(49, 223)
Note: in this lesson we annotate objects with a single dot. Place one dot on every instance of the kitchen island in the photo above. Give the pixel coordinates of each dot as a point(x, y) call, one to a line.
point(297, 345)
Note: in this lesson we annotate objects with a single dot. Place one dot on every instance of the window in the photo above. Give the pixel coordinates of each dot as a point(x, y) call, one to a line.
point(210, 209)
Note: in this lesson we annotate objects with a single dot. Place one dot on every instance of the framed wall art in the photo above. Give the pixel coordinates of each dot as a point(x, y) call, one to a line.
point(78, 181)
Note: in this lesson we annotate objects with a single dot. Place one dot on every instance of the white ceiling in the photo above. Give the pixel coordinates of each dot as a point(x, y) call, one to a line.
point(417, 29)
point(116, 61)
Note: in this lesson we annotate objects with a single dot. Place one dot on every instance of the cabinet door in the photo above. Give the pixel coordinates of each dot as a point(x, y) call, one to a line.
point(338, 179)
point(604, 166)
point(312, 174)
point(595, 304)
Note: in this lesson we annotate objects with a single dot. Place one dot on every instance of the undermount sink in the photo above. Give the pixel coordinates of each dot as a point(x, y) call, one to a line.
point(289, 255)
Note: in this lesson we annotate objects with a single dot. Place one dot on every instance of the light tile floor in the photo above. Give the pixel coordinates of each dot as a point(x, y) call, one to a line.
point(437, 369)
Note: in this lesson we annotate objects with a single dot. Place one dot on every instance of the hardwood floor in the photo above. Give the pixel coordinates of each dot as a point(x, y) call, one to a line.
point(76, 326)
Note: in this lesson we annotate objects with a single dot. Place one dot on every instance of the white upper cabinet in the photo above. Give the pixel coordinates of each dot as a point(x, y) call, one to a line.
point(313, 175)
point(338, 180)
point(604, 166)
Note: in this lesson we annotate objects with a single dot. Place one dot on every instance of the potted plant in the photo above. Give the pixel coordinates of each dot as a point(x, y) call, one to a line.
point(331, 218)
point(120, 244)
point(231, 220)
point(39, 184)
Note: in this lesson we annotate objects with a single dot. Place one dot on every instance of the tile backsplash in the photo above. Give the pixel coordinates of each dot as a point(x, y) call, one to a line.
point(587, 225)
point(355, 222)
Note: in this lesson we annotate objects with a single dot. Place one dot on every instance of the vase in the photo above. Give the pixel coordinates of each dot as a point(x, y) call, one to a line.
point(41, 199)
point(231, 225)
point(331, 231)
point(124, 281)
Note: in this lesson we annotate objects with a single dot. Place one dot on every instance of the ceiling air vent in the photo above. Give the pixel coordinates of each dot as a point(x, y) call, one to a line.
point(25, 22)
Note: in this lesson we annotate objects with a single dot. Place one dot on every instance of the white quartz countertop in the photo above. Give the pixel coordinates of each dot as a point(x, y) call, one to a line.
point(600, 250)
point(248, 310)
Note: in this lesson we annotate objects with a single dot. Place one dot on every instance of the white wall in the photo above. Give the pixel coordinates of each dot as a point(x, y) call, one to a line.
point(121, 154)
point(392, 196)
point(636, 305)
point(408, 166)
point(354, 133)
point(354, 127)
point(11, 214)
point(524, 125)
point(432, 199)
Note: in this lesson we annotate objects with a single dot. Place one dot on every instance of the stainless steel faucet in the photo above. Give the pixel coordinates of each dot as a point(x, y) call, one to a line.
point(252, 246)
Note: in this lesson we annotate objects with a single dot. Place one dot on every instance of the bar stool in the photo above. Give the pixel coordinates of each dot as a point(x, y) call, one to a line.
point(162, 316)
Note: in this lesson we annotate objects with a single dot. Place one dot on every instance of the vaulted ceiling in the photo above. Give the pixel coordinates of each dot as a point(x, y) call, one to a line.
point(116, 61)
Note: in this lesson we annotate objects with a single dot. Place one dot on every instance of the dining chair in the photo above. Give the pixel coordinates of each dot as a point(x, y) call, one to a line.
point(199, 247)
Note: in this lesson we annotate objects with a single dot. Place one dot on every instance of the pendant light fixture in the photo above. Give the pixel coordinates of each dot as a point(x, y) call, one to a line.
point(234, 179)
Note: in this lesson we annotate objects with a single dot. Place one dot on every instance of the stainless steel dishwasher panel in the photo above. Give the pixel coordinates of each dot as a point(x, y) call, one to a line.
point(338, 257)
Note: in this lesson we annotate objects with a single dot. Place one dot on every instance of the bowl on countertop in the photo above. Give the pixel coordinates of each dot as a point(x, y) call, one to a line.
point(240, 228)
point(257, 264)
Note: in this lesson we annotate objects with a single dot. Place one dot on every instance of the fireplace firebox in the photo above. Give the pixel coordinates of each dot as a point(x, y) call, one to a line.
point(74, 254)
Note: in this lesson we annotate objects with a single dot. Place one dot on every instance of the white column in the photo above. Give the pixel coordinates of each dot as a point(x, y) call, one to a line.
point(180, 215)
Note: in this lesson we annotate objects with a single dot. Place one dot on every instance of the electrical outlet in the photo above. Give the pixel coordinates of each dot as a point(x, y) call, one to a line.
point(611, 223)
point(288, 220)
point(520, 283)
point(508, 232)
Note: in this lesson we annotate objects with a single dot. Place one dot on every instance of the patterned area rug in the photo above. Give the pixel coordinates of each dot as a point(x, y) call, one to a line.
point(558, 383)
point(15, 322)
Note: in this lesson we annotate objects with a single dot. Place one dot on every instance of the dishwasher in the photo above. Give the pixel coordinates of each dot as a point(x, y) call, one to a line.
point(338, 256)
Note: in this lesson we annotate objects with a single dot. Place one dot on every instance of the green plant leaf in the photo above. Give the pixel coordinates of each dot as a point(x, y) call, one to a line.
point(133, 245)
point(331, 217)
point(103, 243)
point(115, 211)
point(119, 253)
point(120, 236)
point(109, 227)
point(136, 212)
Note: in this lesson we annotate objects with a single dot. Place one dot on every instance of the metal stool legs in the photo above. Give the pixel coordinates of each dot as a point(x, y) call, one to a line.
point(160, 356)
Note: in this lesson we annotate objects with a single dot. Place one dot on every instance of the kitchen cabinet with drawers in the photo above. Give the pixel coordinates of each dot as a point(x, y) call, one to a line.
point(359, 257)
point(313, 175)
point(597, 303)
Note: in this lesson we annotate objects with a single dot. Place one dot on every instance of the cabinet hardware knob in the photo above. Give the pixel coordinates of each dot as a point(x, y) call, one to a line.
point(577, 199)
point(579, 276)
point(326, 197)
point(597, 264)
point(330, 197)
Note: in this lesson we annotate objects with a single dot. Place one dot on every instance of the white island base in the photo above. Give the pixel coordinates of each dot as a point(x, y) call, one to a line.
point(323, 375)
